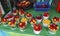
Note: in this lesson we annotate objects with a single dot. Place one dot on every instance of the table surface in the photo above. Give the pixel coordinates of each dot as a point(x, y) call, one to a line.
point(29, 30)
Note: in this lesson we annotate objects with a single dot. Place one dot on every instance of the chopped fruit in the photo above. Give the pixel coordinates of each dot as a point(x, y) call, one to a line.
point(46, 21)
point(37, 27)
point(28, 15)
point(55, 19)
point(27, 3)
point(33, 20)
point(21, 11)
point(53, 27)
point(12, 23)
point(24, 20)
point(38, 17)
point(23, 4)
point(46, 14)
point(22, 25)
point(4, 20)
point(16, 17)
point(15, 11)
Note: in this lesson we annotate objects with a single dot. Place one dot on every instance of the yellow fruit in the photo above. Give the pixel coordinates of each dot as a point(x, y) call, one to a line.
point(9, 22)
point(46, 21)
point(23, 20)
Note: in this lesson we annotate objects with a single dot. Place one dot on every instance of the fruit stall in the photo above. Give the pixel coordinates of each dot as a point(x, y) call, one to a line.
point(29, 18)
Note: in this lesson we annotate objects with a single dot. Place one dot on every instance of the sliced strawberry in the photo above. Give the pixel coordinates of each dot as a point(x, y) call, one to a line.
point(53, 26)
point(37, 27)
point(32, 20)
point(22, 25)
point(46, 14)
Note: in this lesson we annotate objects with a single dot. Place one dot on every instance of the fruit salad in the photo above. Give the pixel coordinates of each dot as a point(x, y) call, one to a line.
point(28, 15)
point(37, 28)
point(21, 12)
point(55, 20)
point(46, 15)
point(53, 28)
point(22, 26)
point(39, 19)
point(24, 20)
point(46, 22)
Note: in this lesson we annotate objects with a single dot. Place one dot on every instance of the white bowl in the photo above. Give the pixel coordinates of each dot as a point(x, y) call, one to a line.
point(37, 32)
point(21, 15)
point(45, 17)
point(5, 25)
point(22, 30)
point(51, 32)
point(46, 25)
point(39, 20)
point(28, 17)
point(13, 28)
point(26, 22)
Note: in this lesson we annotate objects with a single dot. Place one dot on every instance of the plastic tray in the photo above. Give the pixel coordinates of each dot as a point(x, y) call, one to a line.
point(41, 9)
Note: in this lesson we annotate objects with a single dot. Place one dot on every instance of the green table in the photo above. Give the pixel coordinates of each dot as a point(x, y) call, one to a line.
point(29, 29)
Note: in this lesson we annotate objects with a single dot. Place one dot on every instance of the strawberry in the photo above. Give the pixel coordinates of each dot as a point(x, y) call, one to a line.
point(22, 25)
point(53, 26)
point(37, 27)
point(46, 14)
